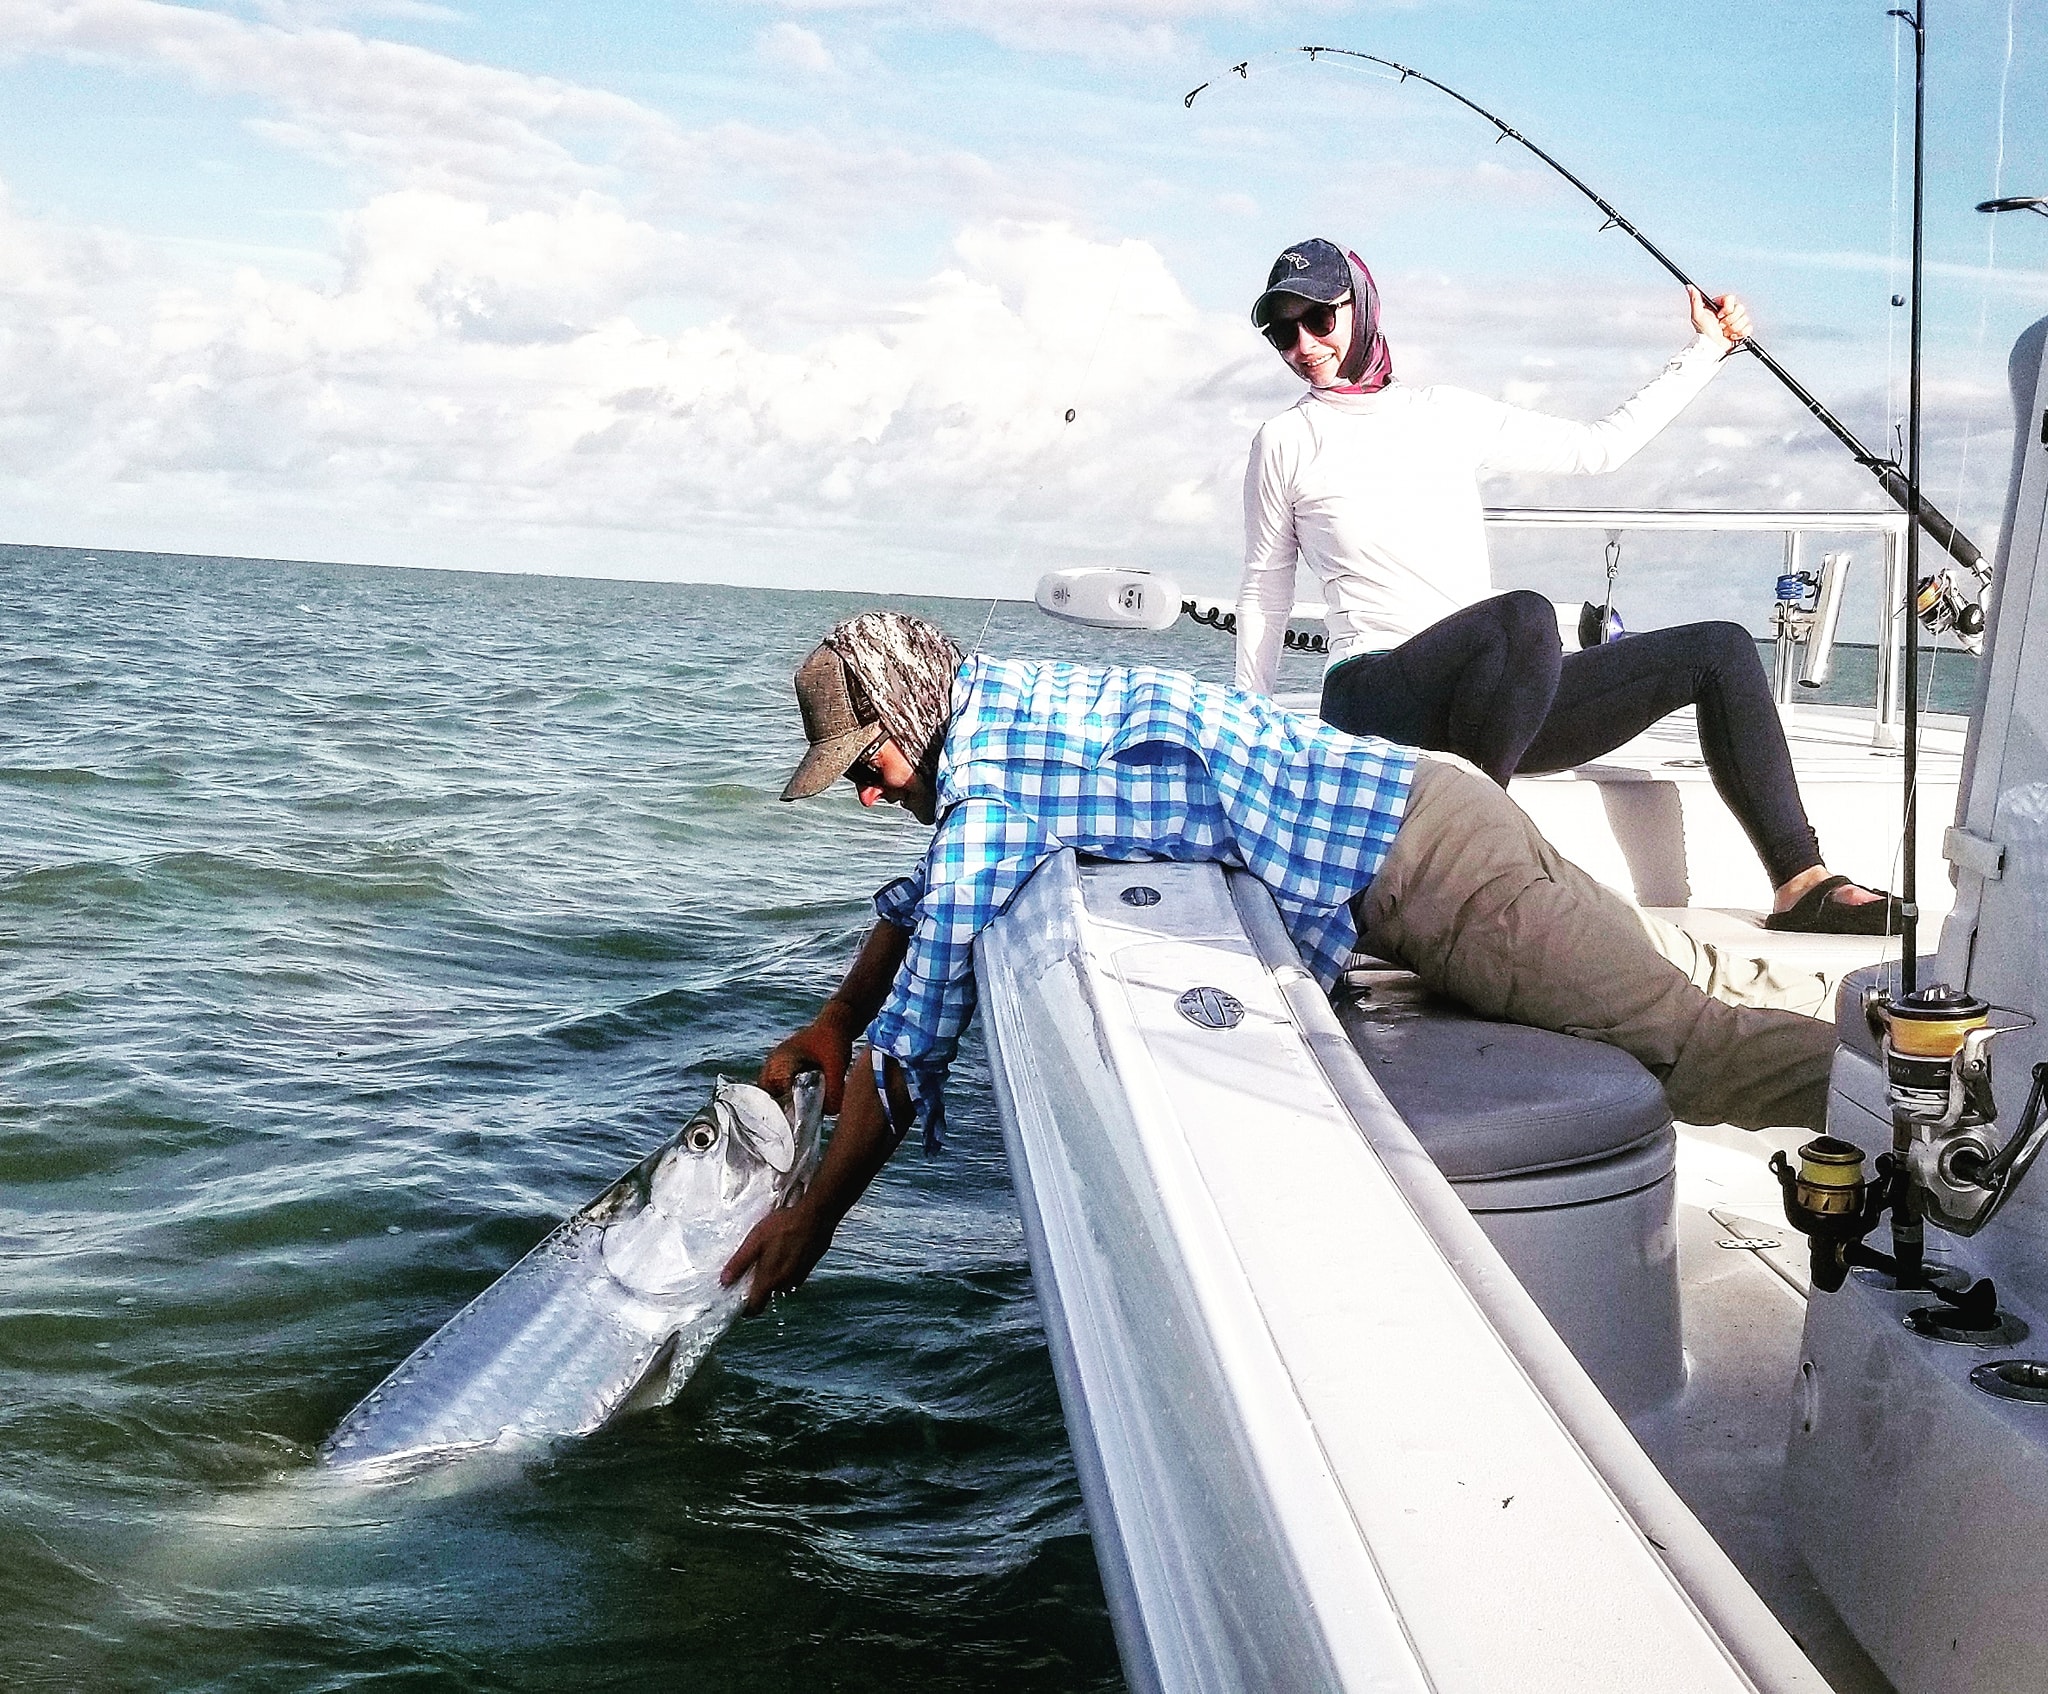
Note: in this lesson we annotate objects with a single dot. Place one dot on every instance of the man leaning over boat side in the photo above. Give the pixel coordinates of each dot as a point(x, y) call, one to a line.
point(1425, 860)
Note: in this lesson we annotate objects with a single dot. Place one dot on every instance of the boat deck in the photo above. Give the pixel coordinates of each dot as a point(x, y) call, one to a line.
point(1742, 1275)
point(1240, 1356)
point(1647, 821)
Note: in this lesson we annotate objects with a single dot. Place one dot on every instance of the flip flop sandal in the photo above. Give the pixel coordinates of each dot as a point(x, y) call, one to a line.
point(1816, 914)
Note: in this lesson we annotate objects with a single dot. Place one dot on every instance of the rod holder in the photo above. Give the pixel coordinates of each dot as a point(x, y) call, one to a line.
point(1815, 668)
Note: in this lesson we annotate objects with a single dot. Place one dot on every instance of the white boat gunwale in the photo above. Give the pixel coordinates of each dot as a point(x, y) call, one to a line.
point(1707, 1607)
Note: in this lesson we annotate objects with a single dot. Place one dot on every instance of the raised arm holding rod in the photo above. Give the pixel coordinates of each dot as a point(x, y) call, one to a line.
point(1891, 478)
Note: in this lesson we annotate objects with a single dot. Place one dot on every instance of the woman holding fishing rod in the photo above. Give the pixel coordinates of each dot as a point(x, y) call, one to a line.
point(1375, 484)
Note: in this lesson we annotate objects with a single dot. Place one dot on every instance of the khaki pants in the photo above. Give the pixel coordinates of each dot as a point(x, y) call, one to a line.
point(1481, 907)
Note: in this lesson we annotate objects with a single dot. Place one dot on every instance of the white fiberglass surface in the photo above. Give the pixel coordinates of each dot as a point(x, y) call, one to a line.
point(1455, 1473)
point(1997, 940)
point(1940, 1569)
point(1187, 1529)
point(1287, 1381)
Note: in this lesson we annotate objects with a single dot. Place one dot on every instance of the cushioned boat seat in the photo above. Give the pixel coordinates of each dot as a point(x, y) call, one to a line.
point(1496, 1100)
point(1564, 1151)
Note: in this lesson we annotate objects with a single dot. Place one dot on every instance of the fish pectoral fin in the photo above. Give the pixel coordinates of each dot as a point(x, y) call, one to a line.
point(653, 1388)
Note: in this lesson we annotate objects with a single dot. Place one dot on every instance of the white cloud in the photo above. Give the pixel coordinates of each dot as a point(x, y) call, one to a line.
point(787, 46)
point(2006, 277)
point(298, 13)
point(483, 376)
point(482, 360)
point(519, 355)
point(480, 386)
point(394, 115)
point(1128, 29)
point(408, 113)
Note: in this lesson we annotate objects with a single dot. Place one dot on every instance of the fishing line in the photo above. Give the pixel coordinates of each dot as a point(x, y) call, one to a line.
point(1116, 295)
point(1990, 249)
point(1242, 71)
point(985, 622)
point(1890, 476)
point(1894, 425)
point(1934, 663)
point(1038, 467)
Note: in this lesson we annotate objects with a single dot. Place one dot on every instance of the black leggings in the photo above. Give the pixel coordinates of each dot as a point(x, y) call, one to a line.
point(1493, 684)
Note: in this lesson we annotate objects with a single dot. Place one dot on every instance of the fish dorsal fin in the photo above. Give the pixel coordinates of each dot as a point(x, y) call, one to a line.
point(759, 1120)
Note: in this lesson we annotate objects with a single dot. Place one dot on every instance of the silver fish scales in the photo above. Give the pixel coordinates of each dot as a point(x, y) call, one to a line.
point(614, 1310)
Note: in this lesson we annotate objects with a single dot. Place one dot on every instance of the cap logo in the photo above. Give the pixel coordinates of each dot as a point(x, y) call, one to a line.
point(1296, 260)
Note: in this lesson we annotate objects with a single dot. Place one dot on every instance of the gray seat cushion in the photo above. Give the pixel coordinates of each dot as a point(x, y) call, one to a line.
point(1497, 1099)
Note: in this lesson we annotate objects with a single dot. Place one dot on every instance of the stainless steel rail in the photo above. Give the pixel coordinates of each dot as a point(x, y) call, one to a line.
point(1890, 527)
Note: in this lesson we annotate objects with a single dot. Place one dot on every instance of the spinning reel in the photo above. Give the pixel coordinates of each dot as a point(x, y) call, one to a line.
point(1945, 609)
point(1947, 1165)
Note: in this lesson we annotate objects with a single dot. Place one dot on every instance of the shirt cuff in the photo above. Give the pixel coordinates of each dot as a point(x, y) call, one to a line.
point(1712, 348)
point(896, 902)
point(927, 1098)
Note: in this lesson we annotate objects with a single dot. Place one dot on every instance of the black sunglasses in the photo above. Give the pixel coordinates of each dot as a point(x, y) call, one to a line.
point(862, 771)
point(1320, 319)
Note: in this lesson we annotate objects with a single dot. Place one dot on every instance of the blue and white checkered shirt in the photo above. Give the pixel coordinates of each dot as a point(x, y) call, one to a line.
point(1124, 764)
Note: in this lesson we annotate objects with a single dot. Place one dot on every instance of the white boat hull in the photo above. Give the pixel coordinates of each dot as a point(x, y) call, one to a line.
point(1323, 1434)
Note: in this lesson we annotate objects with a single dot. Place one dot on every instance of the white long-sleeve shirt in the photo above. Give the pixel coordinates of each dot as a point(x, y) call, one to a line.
point(1380, 494)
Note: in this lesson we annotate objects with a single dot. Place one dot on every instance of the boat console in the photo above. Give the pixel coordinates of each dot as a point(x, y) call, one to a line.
point(1919, 1446)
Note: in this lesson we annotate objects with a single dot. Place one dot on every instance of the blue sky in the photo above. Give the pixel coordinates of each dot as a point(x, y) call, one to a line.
point(801, 293)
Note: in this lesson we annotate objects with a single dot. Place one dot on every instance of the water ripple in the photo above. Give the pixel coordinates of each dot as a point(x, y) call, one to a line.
point(355, 926)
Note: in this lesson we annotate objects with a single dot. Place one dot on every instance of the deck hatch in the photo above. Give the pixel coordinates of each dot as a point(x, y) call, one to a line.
point(1210, 1008)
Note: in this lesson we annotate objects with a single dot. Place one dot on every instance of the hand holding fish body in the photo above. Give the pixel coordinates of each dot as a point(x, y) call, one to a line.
point(615, 1309)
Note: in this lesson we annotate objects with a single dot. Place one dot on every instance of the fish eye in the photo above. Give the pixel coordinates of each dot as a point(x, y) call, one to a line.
point(701, 1136)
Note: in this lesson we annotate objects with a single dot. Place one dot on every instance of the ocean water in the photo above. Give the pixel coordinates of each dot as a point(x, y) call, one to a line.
point(357, 925)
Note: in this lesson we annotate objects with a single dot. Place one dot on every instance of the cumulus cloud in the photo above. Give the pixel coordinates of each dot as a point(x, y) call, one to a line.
point(1137, 29)
point(787, 46)
point(547, 336)
point(484, 375)
point(399, 110)
point(481, 386)
point(391, 115)
point(482, 357)
point(298, 13)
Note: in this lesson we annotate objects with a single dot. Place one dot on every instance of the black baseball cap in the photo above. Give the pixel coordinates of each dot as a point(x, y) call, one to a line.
point(1309, 270)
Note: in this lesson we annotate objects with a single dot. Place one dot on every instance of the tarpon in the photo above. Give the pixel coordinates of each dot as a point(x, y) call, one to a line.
point(614, 1310)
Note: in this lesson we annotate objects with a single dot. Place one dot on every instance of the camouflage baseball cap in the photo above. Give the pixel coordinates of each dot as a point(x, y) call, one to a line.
point(831, 724)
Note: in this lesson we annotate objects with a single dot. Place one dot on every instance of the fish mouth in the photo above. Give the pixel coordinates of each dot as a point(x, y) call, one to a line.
point(762, 1124)
point(803, 1107)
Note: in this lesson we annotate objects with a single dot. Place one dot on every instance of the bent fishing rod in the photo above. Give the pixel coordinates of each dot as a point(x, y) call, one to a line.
point(1890, 477)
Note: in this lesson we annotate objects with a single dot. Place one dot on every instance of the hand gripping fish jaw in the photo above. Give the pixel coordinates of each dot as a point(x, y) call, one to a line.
point(747, 1114)
point(737, 1156)
point(614, 1310)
